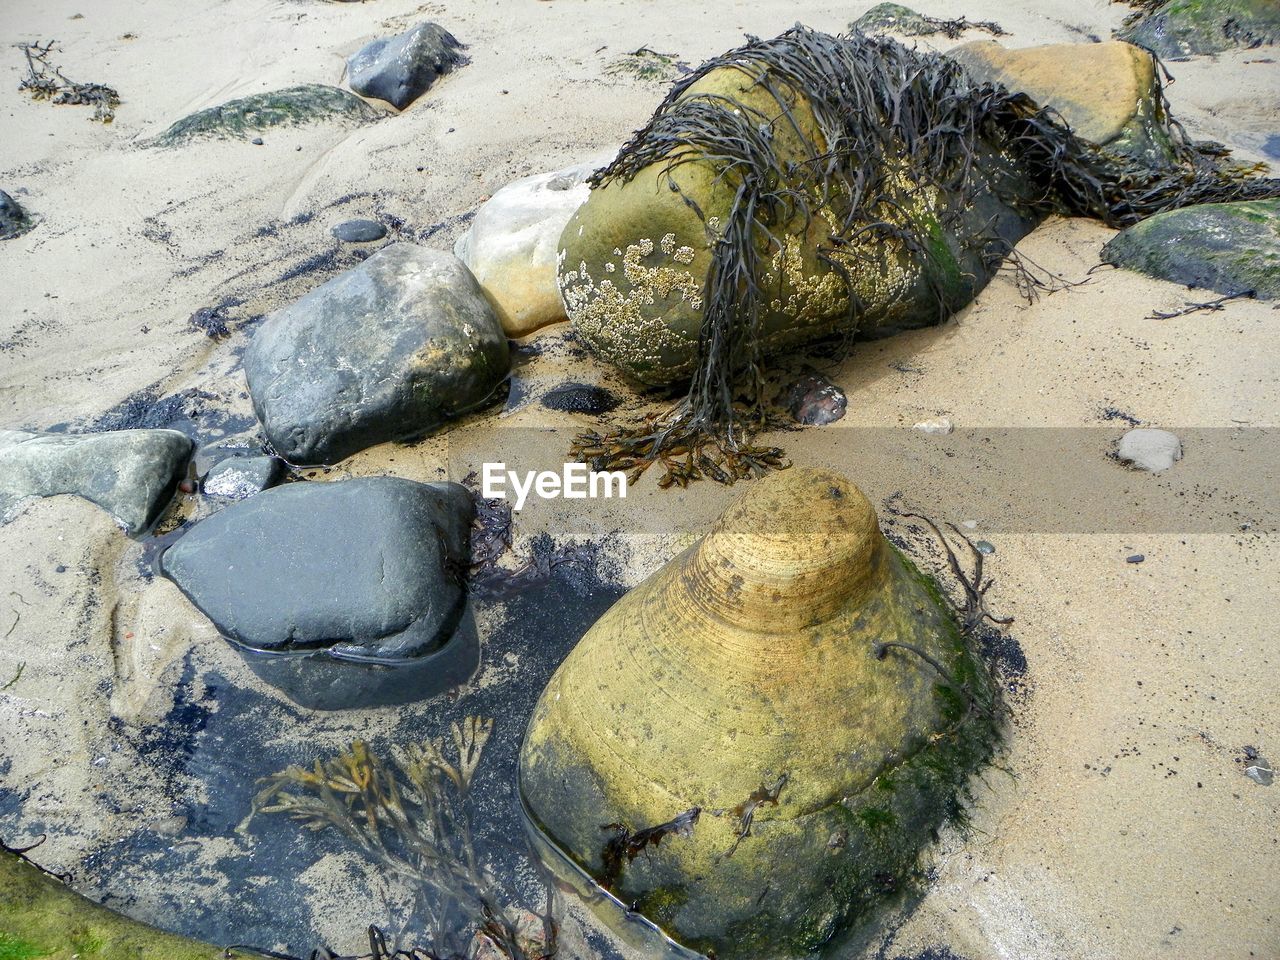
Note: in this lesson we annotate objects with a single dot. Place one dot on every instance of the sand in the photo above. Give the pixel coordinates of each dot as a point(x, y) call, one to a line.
point(1127, 828)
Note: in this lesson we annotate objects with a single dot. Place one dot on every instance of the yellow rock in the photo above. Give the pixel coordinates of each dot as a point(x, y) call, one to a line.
point(746, 679)
point(1103, 90)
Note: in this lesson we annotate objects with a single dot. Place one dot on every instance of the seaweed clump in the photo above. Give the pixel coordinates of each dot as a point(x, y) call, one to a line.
point(409, 817)
point(892, 129)
point(44, 81)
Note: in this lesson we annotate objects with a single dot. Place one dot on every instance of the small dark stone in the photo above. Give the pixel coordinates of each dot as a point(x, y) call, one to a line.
point(211, 321)
point(359, 231)
point(1135, 558)
point(985, 547)
point(580, 398)
point(239, 477)
point(814, 400)
point(400, 69)
point(13, 219)
point(346, 594)
point(257, 141)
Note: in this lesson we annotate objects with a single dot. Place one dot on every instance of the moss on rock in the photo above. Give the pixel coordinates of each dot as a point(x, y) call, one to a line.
point(292, 106)
point(41, 919)
point(1181, 28)
point(1232, 248)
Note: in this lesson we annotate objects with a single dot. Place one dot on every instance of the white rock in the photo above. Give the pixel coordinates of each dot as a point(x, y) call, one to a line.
point(1152, 450)
point(936, 425)
point(513, 241)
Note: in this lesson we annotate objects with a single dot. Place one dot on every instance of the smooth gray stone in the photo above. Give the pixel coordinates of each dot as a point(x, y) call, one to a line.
point(327, 589)
point(400, 69)
point(13, 219)
point(240, 477)
point(386, 351)
point(132, 474)
point(359, 231)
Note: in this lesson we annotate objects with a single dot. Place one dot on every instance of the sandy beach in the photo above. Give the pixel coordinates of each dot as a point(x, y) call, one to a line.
point(1119, 823)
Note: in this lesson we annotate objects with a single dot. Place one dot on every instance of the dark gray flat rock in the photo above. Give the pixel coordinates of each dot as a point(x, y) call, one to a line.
point(240, 477)
point(132, 474)
point(359, 231)
point(402, 68)
point(386, 351)
point(369, 565)
point(316, 583)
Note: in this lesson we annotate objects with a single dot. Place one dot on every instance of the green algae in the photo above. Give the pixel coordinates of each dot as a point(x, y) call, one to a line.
point(41, 918)
point(292, 106)
point(1232, 248)
point(1181, 28)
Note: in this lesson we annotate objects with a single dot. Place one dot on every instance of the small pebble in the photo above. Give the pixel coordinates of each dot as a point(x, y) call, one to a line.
point(256, 141)
point(935, 425)
point(1135, 558)
point(1150, 450)
point(1263, 776)
point(359, 231)
point(969, 524)
point(985, 547)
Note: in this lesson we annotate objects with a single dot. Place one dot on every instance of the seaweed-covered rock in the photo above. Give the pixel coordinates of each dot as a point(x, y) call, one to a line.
point(400, 69)
point(342, 594)
point(634, 259)
point(1232, 248)
point(292, 106)
point(42, 919)
point(1181, 28)
point(772, 725)
point(512, 244)
point(1107, 92)
point(14, 221)
point(386, 351)
point(132, 474)
point(895, 18)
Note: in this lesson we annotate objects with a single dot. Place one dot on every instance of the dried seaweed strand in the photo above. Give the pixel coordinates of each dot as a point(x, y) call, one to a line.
point(44, 81)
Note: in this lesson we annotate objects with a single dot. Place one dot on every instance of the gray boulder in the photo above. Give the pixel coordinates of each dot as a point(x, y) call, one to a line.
point(13, 219)
point(239, 477)
point(402, 68)
point(341, 594)
point(386, 351)
point(1233, 248)
point(132, 474)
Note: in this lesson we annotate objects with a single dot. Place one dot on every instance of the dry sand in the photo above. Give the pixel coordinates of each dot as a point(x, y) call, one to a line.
point(1127, 830)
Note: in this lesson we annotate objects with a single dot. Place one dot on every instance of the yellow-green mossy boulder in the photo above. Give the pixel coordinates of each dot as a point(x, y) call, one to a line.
point(634, 260)
point(42, 919)
point(751, 747)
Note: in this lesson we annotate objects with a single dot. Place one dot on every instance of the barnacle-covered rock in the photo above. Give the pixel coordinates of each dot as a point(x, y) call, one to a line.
point(634, 259)
point(772, 725)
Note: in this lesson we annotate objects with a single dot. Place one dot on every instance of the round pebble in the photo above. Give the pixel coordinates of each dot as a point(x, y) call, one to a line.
point(359, 231)
point(985, 547)
point(256, 141)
